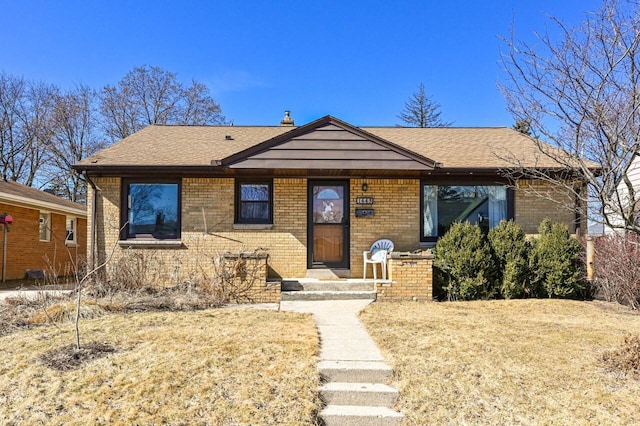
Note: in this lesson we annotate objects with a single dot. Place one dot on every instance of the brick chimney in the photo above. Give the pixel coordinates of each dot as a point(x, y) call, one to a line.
point(287, 121)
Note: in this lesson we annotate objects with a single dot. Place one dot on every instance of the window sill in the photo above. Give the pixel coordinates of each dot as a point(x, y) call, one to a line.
point(253, 226)
point(71, 244)
point(150, 243)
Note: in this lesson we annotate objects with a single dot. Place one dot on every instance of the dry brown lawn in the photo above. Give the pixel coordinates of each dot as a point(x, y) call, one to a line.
point(219, 366)
point(533, 362)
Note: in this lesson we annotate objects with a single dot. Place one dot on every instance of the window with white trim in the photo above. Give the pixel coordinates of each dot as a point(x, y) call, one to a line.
point(45, 226)
point(71, 230)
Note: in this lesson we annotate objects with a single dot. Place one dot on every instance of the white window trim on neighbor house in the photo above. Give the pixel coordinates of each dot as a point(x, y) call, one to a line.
point(44, 228)
point(71, 231)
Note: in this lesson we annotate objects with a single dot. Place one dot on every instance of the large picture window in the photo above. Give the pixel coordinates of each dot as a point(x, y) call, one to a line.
point(152, 209)
point(254, 202)
point(442, 205)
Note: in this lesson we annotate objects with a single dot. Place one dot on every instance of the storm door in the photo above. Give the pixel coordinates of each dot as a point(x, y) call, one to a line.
point(328, 224)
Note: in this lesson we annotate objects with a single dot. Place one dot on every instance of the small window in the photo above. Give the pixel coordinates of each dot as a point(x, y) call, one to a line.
point(45, 226)
point(71, 230)
point(254, 202)
point(151, 209)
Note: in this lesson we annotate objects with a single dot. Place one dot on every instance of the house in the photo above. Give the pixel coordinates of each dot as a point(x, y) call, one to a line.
point(623, 207)
point(48, 233)
point(314, 196)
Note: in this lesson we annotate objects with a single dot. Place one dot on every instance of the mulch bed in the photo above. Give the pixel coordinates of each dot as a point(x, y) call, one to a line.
point(69, 358)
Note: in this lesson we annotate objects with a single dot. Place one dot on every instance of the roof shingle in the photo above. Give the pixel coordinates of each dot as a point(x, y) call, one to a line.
point(11, 191)
point(453, 147)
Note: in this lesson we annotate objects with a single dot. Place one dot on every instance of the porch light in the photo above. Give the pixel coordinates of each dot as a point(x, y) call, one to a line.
point(365, 187)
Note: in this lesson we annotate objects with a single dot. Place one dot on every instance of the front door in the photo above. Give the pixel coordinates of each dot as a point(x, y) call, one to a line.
point(328, 245)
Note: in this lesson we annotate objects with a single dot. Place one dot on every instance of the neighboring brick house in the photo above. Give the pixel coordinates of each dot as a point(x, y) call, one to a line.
point(48, 233)
point(313, 196)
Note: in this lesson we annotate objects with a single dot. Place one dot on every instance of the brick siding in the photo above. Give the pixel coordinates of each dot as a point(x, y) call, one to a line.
point(211, 201)
point(411, 279)
point(26, 251)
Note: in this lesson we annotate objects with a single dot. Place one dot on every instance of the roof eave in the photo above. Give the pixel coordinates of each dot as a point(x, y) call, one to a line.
point(28, 202)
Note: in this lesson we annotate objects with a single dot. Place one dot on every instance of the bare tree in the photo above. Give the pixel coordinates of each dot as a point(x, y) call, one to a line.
point(25, 126)
point(151, 95)
point(581, 94)
point(420, 110)
point(75, 136)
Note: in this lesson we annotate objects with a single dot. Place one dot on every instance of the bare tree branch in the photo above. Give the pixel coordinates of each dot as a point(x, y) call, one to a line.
point(580, 93)
point(151, 95)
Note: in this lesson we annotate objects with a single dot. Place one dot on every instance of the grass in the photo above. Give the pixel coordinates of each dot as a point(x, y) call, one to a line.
point(217, 366)
point(534, 362)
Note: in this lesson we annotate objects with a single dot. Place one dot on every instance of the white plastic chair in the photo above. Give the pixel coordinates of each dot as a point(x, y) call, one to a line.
point(377, 254)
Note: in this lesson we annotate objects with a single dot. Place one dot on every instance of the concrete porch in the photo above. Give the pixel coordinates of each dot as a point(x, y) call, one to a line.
point(330, 289)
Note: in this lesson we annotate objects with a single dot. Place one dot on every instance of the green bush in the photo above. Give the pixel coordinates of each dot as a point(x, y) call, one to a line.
point(511, 251)
point(555, 262)
point(467, 263)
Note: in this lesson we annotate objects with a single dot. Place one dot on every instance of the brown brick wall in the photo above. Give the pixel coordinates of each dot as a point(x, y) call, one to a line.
point(26, 251)
point(412, 279)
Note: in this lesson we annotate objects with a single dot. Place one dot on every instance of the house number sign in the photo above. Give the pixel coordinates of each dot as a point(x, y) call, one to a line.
point(364, 200)
point(364, 212)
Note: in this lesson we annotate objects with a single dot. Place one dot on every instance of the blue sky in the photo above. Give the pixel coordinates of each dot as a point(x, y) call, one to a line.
point(356, 60)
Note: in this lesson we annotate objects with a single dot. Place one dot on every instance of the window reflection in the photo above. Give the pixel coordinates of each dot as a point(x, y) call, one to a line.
point(254, 203)
point(484, 205)
point(153, 210)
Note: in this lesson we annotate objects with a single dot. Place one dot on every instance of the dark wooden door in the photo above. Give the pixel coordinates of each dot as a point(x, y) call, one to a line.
point(328, 224)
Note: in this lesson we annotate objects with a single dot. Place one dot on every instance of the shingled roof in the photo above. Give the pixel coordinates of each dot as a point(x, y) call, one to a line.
point(451, 148)
point(18, 194)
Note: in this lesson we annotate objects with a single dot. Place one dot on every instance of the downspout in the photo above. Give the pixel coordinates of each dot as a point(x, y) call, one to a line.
point(94, 215)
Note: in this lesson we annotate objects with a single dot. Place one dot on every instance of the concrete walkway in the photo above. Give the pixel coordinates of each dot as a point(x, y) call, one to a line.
point(342, 335)
point(351, 365)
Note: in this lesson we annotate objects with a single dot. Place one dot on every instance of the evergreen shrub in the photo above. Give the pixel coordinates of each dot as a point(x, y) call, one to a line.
point(464, 257)
point(555, 262)
point(511, 251)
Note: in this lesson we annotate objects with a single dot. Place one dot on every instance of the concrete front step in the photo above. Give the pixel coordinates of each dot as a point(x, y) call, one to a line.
point(355, 371)
point(327, 295)
point(369, 394)
point(327, 285)
point(353, 415)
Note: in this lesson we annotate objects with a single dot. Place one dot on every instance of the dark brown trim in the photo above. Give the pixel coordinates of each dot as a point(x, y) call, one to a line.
point(325, 121)
point(139, 170)
point(346, 263)
point(238, 201)
point(460, 182)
